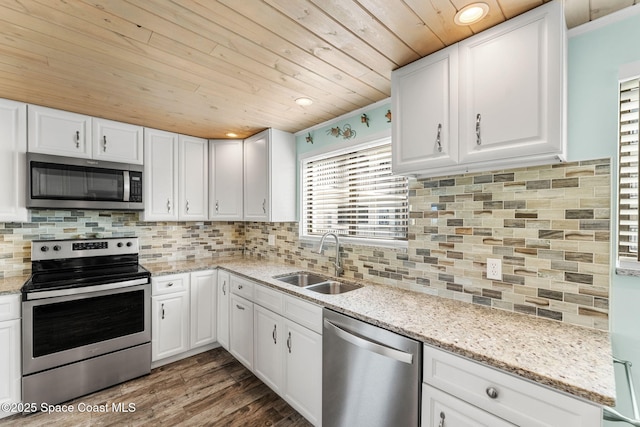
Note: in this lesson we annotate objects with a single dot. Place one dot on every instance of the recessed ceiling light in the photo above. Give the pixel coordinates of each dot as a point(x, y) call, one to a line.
point(471, 13)
point(304, 101)
point(231, 135)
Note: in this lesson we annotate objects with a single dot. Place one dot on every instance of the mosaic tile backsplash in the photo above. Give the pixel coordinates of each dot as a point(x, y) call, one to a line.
point(548, 225)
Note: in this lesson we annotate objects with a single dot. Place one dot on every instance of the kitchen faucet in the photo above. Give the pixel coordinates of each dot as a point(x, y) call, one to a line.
point(336, 264)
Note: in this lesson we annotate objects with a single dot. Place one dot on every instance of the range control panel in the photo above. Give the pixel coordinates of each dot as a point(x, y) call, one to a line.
point(79, 248)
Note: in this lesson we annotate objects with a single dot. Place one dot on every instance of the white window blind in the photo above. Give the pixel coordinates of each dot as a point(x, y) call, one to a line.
point(354, 194)
point(628, 174)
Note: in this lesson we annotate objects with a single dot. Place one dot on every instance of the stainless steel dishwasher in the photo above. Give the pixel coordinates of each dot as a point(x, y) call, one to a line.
point(370, 376)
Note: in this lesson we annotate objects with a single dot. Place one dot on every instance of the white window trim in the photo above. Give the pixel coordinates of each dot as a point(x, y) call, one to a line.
point(623, 265)
point(337, 149)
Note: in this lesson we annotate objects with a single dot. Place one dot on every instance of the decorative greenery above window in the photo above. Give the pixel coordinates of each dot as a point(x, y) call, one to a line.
point(353, 193)
point(628, 218)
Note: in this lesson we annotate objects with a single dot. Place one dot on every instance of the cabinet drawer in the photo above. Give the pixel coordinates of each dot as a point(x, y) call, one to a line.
point(516, 400)
point(304, 313)
point(169, 284)
point(441, 409)
point(268, 298)
point(9, 307)
point(242, 287)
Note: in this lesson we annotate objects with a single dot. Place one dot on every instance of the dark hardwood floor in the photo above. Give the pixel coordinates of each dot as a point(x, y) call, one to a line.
point(209, 389)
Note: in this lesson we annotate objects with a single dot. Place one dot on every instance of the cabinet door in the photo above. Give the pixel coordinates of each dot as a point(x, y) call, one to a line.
point(161, 175)
point(170, 325)
point(256, 177)
point(10, 367)
point(303, 374)
point(203, 288)
point(269, 339)
point(117, 142)
point(511, 88)
point(425, 106)
point(194, 181)
point(241, 330)
point(223, 308)
point(60, 133)
point(440, 409)
point(13, 146)
point(225, 184)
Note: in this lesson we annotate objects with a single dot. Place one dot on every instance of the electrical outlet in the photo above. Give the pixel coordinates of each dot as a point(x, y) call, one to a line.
point(494, 269)
point(271, 240)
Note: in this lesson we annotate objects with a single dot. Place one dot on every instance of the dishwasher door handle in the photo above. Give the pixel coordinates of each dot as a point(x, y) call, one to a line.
point(382, 350)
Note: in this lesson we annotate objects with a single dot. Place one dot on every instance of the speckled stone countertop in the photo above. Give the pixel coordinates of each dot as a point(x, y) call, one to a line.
point(569, 358)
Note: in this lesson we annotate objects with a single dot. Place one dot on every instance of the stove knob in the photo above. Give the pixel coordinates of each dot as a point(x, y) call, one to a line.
point(129, 244)
point(119, 244)
point(44, 248)
point(57, 248)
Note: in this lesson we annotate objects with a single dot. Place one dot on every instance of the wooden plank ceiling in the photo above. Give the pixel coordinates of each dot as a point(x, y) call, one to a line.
point(206, 67)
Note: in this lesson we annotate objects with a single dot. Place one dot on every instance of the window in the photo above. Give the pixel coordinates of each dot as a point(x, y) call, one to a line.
point(353, 193)
point(628, 172)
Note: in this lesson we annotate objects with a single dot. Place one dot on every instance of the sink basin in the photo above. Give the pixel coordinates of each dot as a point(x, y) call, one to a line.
point(333, 287)
point(302, 279)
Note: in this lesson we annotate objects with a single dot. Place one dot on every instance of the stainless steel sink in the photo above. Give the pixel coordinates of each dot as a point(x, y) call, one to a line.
point(332, 287)
point(302, 279)
point(315, 282)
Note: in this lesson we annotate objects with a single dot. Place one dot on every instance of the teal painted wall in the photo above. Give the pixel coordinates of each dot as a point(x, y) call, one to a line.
point(594, 60)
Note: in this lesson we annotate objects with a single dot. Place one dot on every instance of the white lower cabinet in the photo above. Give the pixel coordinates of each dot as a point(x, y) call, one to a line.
point(468, 387)
point(223, 308)
point(183, 308)
point(10, 366)
point(282, 346)
point(241, 330)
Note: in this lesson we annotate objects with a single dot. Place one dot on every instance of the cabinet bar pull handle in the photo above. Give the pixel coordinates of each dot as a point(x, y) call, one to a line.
point(239, 307)
point(168, 206)
point(264, 205)
point(438, 138)
point(224, 287)
point(492, 392)
point(478, 139)
point(77, 139)
point(289, 343)
point(217, 207)
point(274, 334)
point(104, 143)
point(441, 424)
point(187, 206)
point(163, 310)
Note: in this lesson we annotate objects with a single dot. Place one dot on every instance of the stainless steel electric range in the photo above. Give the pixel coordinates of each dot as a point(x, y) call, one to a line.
point(86, 318)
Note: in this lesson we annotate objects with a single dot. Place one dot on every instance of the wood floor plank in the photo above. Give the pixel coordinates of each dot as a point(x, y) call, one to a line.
point(208, 389)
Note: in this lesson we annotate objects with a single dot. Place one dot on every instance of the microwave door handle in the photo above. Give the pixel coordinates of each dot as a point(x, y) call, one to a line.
point(127, 186)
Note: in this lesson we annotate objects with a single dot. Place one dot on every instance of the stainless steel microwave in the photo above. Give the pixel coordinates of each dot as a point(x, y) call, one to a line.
point(57, 182)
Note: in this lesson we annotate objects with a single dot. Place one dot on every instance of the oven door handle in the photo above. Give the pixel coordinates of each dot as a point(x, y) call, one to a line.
point(86, 289)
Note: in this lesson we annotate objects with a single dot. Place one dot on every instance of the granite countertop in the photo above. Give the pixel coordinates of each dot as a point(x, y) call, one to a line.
point(569, 358)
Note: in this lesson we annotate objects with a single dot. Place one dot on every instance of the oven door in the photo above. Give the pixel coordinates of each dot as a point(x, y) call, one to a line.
point(66, 329)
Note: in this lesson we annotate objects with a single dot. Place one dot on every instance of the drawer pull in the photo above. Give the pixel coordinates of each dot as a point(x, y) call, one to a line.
point(492, 392)
point(239, 287)
point(441, 423)
point(239, 307)
point(170, 284)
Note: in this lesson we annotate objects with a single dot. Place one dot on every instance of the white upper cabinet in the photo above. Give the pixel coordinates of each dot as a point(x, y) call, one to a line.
point(117, 142)
point(269, 177)
point(59, 132)
point(194, 183)
point(176, 171)
point(425, 97)
point(13, 146)
point(161, 175)
point(511, 89)
point(225, 179)
point(496, 98)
